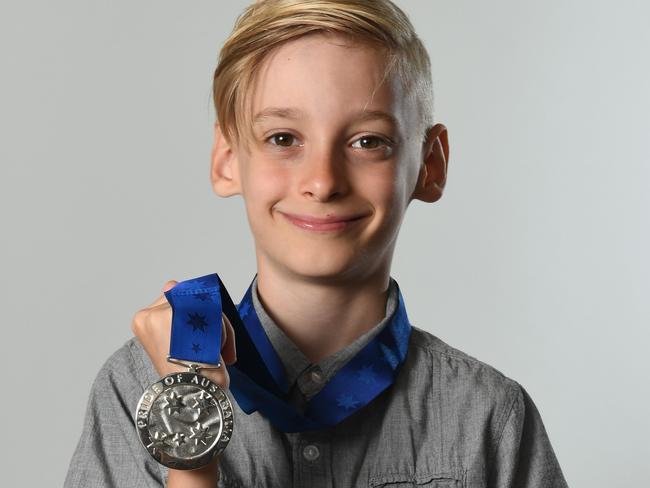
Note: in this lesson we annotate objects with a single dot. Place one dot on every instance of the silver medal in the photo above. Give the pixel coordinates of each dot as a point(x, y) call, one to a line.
point(184, 420)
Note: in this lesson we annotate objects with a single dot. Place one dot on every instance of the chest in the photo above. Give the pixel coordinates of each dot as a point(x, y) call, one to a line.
point(380, 446)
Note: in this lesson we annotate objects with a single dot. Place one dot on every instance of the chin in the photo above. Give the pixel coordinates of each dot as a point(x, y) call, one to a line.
point(320, 265)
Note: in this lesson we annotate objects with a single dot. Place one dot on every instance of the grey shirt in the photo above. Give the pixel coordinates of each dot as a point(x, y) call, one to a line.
point(449, 420)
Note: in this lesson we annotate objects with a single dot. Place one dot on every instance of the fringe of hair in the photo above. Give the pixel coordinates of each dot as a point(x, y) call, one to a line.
point(266, 24)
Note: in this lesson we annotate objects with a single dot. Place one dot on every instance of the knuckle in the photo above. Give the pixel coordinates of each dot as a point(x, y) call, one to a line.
point(138, 321)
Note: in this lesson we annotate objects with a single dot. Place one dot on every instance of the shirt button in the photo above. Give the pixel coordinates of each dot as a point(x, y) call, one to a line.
point(316, 377)
point(311, 452)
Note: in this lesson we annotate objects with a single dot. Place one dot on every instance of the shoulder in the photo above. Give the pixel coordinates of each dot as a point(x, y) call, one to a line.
point(431, 344)
point(453, 403)
point(477, 415)
point(461, 362)
point(472, 400)
point(464, 381)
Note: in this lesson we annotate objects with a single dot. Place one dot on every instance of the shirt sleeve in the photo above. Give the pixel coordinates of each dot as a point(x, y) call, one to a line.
point(109, 453)
point(524, 456)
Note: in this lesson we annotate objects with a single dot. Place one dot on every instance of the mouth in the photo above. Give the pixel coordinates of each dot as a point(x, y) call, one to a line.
point(328, 223)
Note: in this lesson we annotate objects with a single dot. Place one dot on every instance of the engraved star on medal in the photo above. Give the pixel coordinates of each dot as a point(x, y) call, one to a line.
point(204, 402)
point(178, 438)
point(200, 434)
point(173, 403)
point(158, 442)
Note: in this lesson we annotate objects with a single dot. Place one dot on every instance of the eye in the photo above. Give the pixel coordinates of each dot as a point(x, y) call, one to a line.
point(283, 139)
point(370, 142)
point(374, 146)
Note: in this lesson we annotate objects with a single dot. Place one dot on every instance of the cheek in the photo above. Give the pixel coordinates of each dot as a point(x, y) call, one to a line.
point(263, 188)
point(386, 190)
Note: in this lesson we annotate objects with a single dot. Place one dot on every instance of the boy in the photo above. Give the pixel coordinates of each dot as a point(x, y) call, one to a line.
point(325, 128)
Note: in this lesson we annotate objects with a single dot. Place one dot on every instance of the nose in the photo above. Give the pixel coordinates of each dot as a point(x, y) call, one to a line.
point(324, 174)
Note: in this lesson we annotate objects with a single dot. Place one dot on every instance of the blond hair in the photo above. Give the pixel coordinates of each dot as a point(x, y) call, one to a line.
point(267, 24)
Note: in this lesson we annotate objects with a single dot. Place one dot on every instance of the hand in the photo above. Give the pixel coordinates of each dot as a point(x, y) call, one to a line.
point(152, 326)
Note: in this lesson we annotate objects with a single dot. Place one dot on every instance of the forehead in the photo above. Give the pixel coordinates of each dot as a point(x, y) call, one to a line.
point(328, 77)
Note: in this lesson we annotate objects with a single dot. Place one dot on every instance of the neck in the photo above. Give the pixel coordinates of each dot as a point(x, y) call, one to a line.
point(322, 316)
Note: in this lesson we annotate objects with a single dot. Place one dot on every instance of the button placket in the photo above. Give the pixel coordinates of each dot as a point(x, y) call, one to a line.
point(315, 464)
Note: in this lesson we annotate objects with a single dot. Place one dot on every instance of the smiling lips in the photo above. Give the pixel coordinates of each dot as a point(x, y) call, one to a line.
point(330, 223)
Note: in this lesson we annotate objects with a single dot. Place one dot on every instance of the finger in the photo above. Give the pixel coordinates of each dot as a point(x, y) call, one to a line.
point(228, 349)
point(162, 298)
point(169, 285)
point(219, 376)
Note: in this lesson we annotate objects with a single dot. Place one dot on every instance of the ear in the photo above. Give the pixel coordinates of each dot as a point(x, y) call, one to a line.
point(224, 169)
point(433, 171)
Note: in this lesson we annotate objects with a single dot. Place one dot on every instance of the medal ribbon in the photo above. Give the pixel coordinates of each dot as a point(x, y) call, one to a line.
point(196, 319)
point(257, 379)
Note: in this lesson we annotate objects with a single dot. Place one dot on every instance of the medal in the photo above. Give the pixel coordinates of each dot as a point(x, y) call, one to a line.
point(184, 420)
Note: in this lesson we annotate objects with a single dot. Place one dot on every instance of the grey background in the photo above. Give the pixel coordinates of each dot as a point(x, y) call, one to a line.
point(534, 261)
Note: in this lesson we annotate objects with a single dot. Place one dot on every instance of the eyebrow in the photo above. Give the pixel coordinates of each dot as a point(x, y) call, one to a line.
point(278, 112)
point(295, 114)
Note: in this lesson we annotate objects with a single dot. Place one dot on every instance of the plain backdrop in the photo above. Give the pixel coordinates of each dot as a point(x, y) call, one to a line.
point(535, 260)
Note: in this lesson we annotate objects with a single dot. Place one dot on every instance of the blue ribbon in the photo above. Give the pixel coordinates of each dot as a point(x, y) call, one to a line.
point(196, 319)
point(257, 379)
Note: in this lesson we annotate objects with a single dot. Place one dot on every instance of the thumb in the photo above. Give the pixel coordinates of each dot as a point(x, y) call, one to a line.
point(169, 285)
point(228, 349)
point(162, 298)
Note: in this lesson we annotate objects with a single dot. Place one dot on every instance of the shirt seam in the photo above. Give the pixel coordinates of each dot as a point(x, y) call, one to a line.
point(507, 415)
point(475, 361)
point(441, 413)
